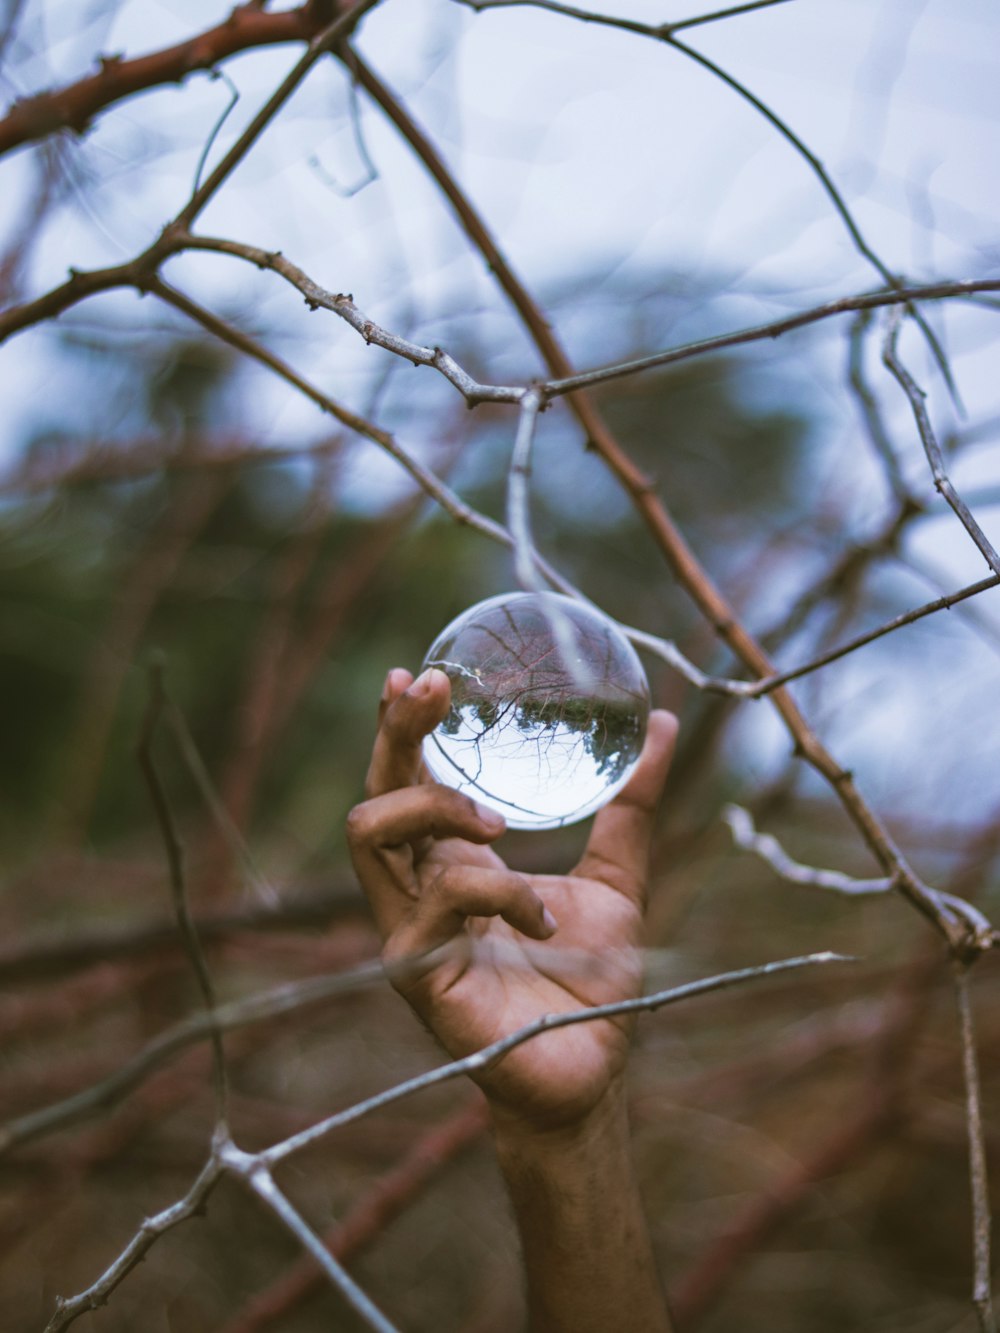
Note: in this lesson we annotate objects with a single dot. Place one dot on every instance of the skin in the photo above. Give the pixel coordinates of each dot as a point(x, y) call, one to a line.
point(488, 951)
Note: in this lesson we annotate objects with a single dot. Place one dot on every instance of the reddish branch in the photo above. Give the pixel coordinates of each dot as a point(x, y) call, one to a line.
point(882, 1107)
point(75, 106)
point(386, 1200)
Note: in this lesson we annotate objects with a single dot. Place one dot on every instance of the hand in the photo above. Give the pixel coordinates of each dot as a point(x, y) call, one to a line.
point(491, 950)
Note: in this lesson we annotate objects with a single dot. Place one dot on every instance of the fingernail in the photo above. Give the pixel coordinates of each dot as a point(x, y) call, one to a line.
point(491, 817)
point(422, 684)
point(387, 687)
point(551, 924)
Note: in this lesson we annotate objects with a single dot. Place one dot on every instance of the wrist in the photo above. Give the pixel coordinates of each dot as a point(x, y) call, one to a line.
point(522, 1137)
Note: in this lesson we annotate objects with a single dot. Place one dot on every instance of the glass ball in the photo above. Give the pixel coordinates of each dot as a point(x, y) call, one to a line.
point(549, 705)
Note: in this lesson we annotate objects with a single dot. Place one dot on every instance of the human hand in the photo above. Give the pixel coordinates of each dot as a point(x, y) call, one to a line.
point(489, 950)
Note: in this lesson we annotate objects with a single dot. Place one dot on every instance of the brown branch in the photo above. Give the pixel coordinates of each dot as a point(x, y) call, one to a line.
point(880, 1111)
point(104, 461)
point(45, 958)
point(75, 106)
point(178, 887)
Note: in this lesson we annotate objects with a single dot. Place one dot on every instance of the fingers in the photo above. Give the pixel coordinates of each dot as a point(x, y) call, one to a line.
point(407, 713)
point(380, 833)
point(618, 848)
point(460, 892)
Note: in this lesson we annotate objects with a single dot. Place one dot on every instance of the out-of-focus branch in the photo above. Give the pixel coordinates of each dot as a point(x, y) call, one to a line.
point(875, 427)
point(846, 571)
point(178, 886)
point(101, 461)
point(770, 850)
point(880, 1107)
point(75, 106)
point(107, 1093)
point(982, 1291)
point(44, 958)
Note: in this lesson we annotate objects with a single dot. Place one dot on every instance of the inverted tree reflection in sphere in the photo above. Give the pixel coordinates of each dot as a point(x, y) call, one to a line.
point(549, 705)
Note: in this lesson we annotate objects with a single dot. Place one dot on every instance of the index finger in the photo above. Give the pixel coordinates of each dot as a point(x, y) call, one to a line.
point(617, 851)
point(406, 716)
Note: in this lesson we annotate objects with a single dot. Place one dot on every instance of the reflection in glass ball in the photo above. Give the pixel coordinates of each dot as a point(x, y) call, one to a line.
point(549, 704)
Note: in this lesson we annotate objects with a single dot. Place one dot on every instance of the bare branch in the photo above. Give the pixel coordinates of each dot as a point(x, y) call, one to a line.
point(320, 44)
point(935, 291)
point(253, 1171)
point(75, 106)
point(58, 953)
point(982, 1293)
point(875, 426)
point(761, 687)
point(96, 1295)
point(340, 304)
point(932, 449)
point(770, 850)
point(983, 934)
point(178, 888)
point(489, 1055)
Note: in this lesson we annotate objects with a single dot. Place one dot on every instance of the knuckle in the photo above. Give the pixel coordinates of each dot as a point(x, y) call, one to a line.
point(358, 825)
point(447, 883)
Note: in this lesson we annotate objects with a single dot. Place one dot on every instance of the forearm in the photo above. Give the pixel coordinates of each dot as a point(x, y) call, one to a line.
point(587, 1254)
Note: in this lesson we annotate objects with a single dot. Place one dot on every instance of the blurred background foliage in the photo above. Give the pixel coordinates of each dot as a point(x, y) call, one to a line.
point(801, 1144)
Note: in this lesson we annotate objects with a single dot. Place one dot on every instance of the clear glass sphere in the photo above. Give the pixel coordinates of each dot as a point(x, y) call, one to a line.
point(549, 705)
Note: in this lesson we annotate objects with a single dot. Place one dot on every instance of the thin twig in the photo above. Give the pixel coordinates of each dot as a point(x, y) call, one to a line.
point(760, 688)
point(386, 1198)
point(342, 305)
point(333, 33)
point(982, 1292)
point(234, 96)
point(253, 1171)
point(665, 33)
point(875, 427)
point(489, 1055)
point(177, 723)
point(917, 399)
point(844, 305)
point(178, 889)
point(96, 1295)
